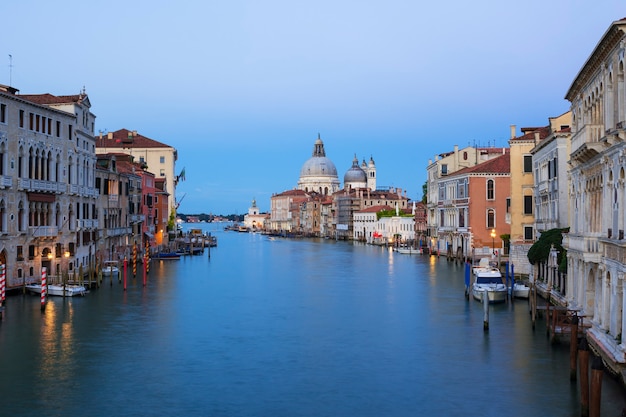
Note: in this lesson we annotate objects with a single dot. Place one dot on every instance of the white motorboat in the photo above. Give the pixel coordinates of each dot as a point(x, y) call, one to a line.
point(483, 265)
point(110, 269)
point(520, 290)
point(408, 251)
point(70, 290)
point(489, 283)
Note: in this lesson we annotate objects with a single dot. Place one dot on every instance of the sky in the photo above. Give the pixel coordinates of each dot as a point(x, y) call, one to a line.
point(243, 88)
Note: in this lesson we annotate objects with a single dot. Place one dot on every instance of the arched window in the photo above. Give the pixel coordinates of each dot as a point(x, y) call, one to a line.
point(491, 218)
point(490, 190)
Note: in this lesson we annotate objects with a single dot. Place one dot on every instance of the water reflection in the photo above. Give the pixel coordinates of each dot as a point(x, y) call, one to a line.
point(285, 327)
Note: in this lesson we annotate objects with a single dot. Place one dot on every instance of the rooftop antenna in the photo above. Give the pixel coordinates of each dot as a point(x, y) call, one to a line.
point(10, 70)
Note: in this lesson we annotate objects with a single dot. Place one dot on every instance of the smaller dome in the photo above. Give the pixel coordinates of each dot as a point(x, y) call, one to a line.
point(355, 176)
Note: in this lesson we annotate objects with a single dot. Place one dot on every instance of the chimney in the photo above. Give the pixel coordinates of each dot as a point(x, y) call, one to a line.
point(537, 137)
point(134, 133)
point(513, 129)
point(110, 135)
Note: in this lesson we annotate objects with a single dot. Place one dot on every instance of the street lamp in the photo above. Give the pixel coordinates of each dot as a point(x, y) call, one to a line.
point(493, 240)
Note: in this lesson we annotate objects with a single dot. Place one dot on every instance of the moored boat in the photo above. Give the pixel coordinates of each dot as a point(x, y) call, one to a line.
point(489, 283)
point(166, 255)
point(70, 290)
point(110, 268)
point(408, 250)
point(520, 290)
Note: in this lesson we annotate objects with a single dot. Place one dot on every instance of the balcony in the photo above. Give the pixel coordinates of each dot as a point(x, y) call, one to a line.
point(5, 181)
point(43, 231)
point(114, 198)
point(137, 218)
point(26, 184)
point(118, 231)
point(589, 246)
point(586, 143)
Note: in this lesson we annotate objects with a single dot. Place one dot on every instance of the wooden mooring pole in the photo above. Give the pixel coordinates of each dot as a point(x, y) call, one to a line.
point(485, 311)
point(573, 348)
point(595, 397)
point(583, 365)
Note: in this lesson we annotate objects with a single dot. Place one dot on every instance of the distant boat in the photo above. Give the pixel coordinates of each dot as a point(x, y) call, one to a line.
point(166, 256)
point(408, 251)
point(110, 268)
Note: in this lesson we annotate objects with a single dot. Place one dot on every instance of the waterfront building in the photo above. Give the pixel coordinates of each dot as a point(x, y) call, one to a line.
point(347, 202)
point(318, 173)
point(254, 220)
point(162, 224)
point(366, 226)
point(47, 195)
point(596, 250)
point(285, 211)
point(472, 207)
point(521, 205)
point(119, 185)
point(421, 223)
point(550, 164)
point(159, 158)
point(311, 215)
point(440, 167)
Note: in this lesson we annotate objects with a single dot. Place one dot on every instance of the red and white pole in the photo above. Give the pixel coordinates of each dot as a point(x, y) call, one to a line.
point(125, 266)
point(44, 288)
point(3, 283)
point(145, 265)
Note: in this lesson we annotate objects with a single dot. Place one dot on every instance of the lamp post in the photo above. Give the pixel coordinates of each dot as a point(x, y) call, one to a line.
point(493, 241)
point(65, 277)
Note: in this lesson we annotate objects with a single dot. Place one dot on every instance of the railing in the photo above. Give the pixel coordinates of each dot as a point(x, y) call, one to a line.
point(44, 231)
point(113, 198)
point(137, 218)
point(118, 231)
point(5, 181)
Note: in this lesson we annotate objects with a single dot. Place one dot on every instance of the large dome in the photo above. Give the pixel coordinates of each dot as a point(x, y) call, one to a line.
point(318, 166)
point(319, 173)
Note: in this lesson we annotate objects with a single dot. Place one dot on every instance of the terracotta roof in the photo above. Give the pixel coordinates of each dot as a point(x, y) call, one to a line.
point(291, 193)
point(499, 165)
point(125, 138)
point(375, 209)
point(52, 99)
point(529, 133)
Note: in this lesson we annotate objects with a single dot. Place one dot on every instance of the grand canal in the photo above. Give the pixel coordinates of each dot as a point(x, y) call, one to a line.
point(284, 328)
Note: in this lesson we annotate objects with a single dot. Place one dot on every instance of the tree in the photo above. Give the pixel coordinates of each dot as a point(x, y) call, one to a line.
point(425, 192)
point(540, 250)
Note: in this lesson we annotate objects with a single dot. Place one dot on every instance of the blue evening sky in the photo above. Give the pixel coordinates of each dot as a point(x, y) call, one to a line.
point(242, 88)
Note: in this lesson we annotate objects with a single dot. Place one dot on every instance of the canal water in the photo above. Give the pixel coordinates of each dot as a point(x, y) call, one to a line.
point(284, 328)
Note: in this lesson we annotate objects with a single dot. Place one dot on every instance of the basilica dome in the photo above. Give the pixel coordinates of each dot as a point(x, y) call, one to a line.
point(355, 177)
point(319, 173)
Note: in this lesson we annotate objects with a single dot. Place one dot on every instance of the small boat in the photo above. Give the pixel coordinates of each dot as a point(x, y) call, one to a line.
point(408, 251)
point(166, 256)
point(58, 290)
point(520, 290)
point(110, 268)
point(483, 265)
point(489, 283)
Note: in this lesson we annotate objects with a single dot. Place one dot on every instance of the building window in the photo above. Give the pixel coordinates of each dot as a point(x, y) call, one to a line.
point(162, 173)
point(21, 118)
point(508, 205)
point(491, 219)
point(528, 204)
point(490, 190)
point(162, 159)
point(528, 163)
point(141, 160)
point(20, 253)
point(444, 169)
point(465, 156)
point(528, 233)
point(3, 113)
